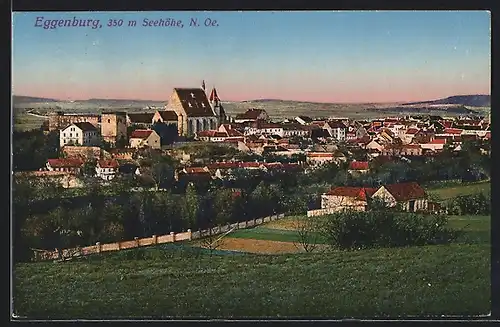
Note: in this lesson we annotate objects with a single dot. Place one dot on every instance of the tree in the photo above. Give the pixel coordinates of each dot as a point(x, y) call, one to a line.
point(223, 206)
point(190, 206)
point(308, 236)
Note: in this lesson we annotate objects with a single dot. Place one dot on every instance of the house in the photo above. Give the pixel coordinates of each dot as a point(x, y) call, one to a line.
point(303, 120)
point(194, 111)
point(290, 130)
point(409, 135)
point(83, 133)
point(107, 169)
point(166, 117)
point(252, 115)
point(193, 174)
point(145, 138)
point(402, 150)
point(435, 145)
point(211, 136)
point(319, 158)
point(386, 136)
point(410, 196)
point(73, 165)
point(358, 167)
point(374, 145)
point(347, 197)
point(336, 129)
point(142, 119)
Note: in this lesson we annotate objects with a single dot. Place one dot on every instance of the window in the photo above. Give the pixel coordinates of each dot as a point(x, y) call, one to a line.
point(109, 121)
point(64, 134)
point(70, 134)
point(76, 134)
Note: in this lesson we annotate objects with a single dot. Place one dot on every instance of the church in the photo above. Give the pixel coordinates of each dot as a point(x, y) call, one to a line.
point(195, 110)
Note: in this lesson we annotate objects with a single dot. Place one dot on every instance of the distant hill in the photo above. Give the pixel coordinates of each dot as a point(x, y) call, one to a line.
point(477, 100)
point(27, 99)
point(117, 101)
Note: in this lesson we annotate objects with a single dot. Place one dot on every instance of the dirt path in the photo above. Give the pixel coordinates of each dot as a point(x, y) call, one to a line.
point(260, 246)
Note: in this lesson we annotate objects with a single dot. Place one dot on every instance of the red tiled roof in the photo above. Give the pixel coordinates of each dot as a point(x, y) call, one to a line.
point(452, 131)
point(438, 141)
point(196, 170)
point(406, 191)
point(108, 163)
point(65, 163)
point(359, 165)
point(141, 134)
point(319, 155)
point(224, 165)
point(360, 193)
point(446, 123)
point(487, 135)
point(213, 95)
point(412, 146)
point(250, 164)
point(412, 131)
point(233, 133)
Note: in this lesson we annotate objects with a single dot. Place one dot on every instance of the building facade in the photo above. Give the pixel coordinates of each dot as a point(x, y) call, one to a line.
point(114, 127)
point(79, 134)
point(194, 110)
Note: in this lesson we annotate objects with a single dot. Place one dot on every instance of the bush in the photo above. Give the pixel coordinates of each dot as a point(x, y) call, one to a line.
point(476, 204)
point(357, 230)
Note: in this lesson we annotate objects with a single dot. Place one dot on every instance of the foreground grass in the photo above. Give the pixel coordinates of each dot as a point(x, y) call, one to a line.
point(432, 280)
point(454, 191)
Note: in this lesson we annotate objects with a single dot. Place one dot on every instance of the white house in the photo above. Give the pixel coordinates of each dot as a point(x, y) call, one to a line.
point(83, 133)
point(145, 138)
point(336, 129)
point(107, 169)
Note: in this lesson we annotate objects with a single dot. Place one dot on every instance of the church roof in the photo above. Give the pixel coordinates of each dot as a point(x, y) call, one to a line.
point(194, 102)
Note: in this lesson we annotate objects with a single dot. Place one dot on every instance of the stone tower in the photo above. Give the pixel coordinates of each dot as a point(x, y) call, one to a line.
point(114, 127)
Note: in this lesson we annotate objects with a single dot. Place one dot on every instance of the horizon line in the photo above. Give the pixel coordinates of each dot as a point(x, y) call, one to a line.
point(261, 99)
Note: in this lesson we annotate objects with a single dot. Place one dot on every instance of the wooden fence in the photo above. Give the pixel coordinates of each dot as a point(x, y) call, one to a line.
point(66, 254)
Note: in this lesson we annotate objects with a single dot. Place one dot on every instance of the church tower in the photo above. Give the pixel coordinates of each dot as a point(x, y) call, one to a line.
point(216, 105)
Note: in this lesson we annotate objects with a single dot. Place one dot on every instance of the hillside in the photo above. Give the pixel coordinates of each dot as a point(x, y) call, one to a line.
point(477, 100)
point(17, 99)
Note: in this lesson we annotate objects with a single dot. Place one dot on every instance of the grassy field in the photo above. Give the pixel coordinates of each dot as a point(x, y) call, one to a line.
point(25, 122)
point(454, 191)
point(175, 282)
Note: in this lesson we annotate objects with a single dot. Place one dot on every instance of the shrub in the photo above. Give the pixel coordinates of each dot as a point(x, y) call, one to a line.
point(383, 228)
point(476, 204)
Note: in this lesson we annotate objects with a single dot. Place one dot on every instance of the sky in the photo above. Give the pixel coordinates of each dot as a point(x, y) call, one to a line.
point(322, 56)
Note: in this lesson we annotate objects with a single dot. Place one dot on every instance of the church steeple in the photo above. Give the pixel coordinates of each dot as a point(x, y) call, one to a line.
point(217, 106)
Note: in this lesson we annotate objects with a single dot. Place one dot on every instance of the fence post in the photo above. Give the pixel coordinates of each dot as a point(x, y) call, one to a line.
point(254, 221)
point(173, 236)
point(155, 239)
point(136, 241)
point(190, 235)
point(98, 247)
point(119, 245)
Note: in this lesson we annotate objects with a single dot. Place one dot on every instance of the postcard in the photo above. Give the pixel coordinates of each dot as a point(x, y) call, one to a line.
point(251, 165)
